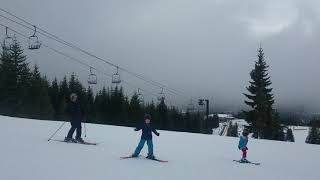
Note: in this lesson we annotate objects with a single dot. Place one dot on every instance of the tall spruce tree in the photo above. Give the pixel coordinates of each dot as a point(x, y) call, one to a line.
point(39, 104)
point(135, 110)
point(54, 96)
point(102, 104)
point(262, 117)
point(90, 108)
point(15, 79)
point(8, 82)
point(162, 115)
point(150, 108)
point(64, 90)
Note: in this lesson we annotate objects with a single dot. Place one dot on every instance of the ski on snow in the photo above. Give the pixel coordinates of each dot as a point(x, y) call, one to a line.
point(85, 143)
point(155, 159)
point(248, 162)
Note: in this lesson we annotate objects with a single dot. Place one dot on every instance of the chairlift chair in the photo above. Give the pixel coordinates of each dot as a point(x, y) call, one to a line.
point(140, 96)
point(116, 77)
point(7, 43)
point(33, 41)
point(92, 79)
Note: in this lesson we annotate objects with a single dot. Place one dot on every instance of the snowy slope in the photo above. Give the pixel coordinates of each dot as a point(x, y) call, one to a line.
point(25, 154)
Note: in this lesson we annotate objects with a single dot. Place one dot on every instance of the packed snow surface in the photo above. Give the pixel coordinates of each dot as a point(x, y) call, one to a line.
point(25, 154)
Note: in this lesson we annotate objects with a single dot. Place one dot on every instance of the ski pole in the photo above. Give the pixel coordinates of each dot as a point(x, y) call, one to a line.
point(56, 131)
point(85, 129)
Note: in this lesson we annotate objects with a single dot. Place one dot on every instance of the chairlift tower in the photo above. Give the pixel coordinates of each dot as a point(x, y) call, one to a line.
point(201, 103)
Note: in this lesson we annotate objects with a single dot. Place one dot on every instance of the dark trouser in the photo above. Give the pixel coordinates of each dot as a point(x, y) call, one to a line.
point(75, 126)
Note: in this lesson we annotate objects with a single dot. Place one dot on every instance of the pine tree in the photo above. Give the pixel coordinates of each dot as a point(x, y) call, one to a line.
point(260, 98)
point(60, 114)
point(117, 108)
point(15, 79)
point(174, 118)
point(8, 83)
point(22, 71)
point(313, 136)
point(290, 136)
point(64, 90)
point(151, 109)
point(162, 114)
point(39, 104)
point(75, 86)
point(135, 110)
point(125, 112)
point(90, 108)
point(72, 84)
point(275, 129)
point(102, 106)
point(54, 96)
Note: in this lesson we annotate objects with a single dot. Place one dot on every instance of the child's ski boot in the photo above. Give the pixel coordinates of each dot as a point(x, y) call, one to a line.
point(152, 157)
point(244, 160)
point(134, 156)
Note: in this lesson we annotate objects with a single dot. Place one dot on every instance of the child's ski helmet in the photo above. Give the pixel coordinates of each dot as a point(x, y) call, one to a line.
point(147, 116)
point(245, 132)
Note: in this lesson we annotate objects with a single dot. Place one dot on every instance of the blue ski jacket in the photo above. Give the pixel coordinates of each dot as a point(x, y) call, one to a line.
point(147, 130)
point(243, 142)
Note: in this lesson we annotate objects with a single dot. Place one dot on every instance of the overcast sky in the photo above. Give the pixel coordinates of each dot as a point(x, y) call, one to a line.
point(204, 48)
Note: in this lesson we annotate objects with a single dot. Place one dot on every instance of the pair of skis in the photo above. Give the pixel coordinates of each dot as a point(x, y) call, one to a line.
point(153, 159)
point(73, 142)
point(247, 162)
point(91, 143)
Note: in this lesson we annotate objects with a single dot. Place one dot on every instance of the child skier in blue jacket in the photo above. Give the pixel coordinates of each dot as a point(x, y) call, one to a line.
point(147, 130)
point(243, 145)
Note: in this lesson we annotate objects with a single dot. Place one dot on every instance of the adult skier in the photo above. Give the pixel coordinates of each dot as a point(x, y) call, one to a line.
point(75, 114)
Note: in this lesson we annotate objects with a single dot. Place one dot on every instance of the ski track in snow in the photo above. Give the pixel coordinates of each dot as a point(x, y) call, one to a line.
point(26, 154)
